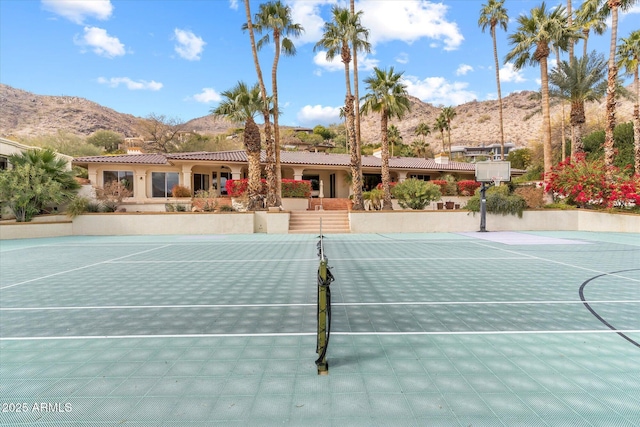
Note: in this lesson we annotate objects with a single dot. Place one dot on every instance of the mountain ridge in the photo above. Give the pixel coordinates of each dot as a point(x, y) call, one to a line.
point(25, 114)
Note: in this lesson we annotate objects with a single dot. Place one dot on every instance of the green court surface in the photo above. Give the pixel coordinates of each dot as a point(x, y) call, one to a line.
point(469, 329)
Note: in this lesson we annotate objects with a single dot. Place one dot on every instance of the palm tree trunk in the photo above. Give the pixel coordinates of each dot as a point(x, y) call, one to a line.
point(386, 176)
point(546, 125)
point(572, 41)
point(584, 45)
point(356, 85)
point(577, 126)
point(276, 127)
point(497, 66)
point(636, 122)
point(611, 87)
point(252, 146)
point(349, 106)
point(563, 137)
point(272, 196)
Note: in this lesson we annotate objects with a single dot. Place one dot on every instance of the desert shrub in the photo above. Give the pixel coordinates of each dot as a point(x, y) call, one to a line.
point(391, 186)
point(226, 208)
point(416, 194)
point(205, 201)
point(532, 195)
point(373, 199)
point(112, 194)
point(180, 191)
point(467, 187)
point(592, 184)
point(77, 206)
point(168, 207)
point(483, 118)
point(499, 201)
point(296, 188)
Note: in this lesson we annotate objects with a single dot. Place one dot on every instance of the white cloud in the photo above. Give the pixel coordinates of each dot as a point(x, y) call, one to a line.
point(538, 82)
point(317, 114)
point(491, 96)
point(101, 43)
point(189, 45)
point(130, 84)
point(404, 20)
point(307, 14)
point(78, 10)
point(402, 58)
point(509, 74)
point(207, 95)
point(409, 21)
point(233, 4)
point(438, 91)
point(463, 69)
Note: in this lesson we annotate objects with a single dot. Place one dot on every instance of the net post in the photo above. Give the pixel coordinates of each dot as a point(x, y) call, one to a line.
point(321, 349)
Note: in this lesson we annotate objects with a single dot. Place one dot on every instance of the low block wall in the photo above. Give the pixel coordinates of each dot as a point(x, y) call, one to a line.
point(163, 223)
point(278, 223)
point(34, 230)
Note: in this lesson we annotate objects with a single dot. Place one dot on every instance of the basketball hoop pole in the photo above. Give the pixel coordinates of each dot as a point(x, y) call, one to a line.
point(483, 208)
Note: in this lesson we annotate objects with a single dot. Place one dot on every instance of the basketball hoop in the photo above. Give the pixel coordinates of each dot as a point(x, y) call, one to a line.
point(496, 180)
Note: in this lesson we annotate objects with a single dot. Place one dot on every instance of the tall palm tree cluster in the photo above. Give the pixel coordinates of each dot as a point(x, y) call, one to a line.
point(579, 79)
point(538, 33)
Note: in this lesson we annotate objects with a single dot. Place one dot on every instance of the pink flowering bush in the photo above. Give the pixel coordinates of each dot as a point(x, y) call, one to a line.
point(591, 183)
point(290, 188)
point(467, 187)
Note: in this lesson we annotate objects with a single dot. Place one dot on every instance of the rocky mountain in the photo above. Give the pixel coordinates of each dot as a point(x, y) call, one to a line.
point(25, 114)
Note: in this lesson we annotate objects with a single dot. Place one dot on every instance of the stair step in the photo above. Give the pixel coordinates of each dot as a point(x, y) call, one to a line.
point(309, 221)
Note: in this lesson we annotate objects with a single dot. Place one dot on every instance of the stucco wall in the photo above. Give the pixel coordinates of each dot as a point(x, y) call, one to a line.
point(163, 223)
point(278, 223)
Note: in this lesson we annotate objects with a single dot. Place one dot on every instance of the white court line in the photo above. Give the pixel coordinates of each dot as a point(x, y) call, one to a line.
point(303, 334)
point(603, 273)
point(522, 257)
point(340, 304)
point(210, 261)
point(80, 268)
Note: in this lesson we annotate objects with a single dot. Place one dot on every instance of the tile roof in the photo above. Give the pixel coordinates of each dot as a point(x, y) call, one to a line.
point(140, 159)
point(287, 158)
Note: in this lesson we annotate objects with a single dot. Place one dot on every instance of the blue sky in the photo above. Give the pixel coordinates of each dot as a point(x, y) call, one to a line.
point(174, 57)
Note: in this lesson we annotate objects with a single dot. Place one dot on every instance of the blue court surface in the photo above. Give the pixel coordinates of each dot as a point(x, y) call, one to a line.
point(442, 329)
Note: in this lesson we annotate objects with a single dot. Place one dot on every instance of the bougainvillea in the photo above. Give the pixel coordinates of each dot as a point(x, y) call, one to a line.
point(591, 183)
point(290, 188)
point(467, 187)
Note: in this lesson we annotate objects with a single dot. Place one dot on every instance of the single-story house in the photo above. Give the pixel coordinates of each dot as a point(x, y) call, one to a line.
point(9, 148)
point(152, 176)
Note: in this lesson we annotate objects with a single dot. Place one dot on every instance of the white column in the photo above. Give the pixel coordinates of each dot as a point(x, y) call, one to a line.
point(139, 185)
point(297, 173)
point(402, 175)
point(236, 172)
point(186, 176)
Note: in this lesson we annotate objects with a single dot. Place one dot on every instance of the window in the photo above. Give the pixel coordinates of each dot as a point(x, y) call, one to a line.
point(315, 181)
point(124, 177)
point(420, 177)
point(200, 182)
point(4, 163)
point(224, 176)
point(163, 183)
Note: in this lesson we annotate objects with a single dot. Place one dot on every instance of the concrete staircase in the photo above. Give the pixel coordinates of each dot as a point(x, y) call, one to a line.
point(308, 222)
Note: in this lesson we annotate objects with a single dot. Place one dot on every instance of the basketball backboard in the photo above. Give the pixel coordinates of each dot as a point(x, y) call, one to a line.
point(497, 171)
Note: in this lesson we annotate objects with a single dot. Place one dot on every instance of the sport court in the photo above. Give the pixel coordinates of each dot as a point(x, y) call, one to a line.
point(443, 329)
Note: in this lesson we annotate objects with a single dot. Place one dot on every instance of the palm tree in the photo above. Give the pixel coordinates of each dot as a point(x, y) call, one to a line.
point(275, 17)
point(337, 38)
point(449, 114)
point(270, 167)
point(531, 46)
point(441, 125)
point(422, 130)
point(388, 96)
point(629, 58)
point(420, 147)
point(611, 7)
point(394, 137)
point(589, 17)
point(241, 104)
point(493, 14)
point(579, 81)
